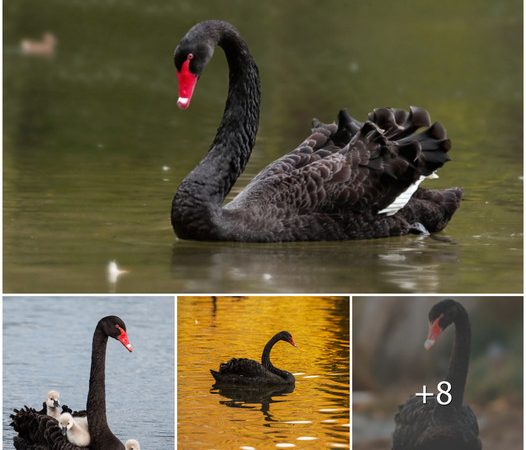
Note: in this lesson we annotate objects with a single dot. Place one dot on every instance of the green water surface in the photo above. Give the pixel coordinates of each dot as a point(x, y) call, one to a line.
point(94, 146)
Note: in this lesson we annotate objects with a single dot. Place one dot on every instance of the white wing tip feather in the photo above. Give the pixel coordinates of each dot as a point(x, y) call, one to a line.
point(402, 200)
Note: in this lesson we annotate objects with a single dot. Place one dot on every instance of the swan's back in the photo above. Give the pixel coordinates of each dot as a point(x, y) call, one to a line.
point(243, 371)
point(37, 431)
point(354, 166)
point(242, 366)
point(432, 426)
point(21, 444)
point(346, 181)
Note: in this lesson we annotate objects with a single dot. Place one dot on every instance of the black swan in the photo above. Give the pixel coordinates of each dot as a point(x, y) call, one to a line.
point(40, 432)
point(432, 426)
point(247, 372)
point(350, 181)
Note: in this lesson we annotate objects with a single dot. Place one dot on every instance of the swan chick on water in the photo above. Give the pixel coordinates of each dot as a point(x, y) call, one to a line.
point(75, 429)
point(52, 404)
point(132, 444)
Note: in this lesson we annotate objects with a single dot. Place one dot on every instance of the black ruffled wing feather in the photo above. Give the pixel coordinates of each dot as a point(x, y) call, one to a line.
point(38, 431)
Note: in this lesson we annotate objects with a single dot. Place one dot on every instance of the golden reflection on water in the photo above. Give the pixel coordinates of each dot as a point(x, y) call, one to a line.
point(213, 330)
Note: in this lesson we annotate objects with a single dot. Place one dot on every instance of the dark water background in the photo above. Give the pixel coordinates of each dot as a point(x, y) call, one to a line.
point(47, 345)
point(94, 146)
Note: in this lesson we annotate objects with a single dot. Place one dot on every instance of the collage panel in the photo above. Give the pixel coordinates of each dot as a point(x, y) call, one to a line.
point(435, 373)
point(107, 124)
point(63, 358)
point(195, 191)
point(263, 372)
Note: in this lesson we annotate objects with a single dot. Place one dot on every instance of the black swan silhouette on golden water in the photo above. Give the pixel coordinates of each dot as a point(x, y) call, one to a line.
point(247, 372)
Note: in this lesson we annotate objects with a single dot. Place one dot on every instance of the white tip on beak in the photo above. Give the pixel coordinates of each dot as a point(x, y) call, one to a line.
point(429, 343)
point(183, 102)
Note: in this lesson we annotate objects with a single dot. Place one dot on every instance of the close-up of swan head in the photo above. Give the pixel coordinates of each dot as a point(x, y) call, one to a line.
point(114, 327)
point(65, 422)
point(132, 444)
point(441, 316)
point(190, 58)
point(52, 399)
point(287, 337)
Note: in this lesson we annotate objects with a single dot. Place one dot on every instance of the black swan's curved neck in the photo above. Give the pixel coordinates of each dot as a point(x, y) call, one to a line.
point(459, 364)
point(196, 208)
point(96, 403)
point(265, 357)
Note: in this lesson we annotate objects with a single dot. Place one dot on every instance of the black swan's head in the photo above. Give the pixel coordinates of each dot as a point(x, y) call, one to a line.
point(114, 327)
point(192, 55)
point(441, 316)
point(285, 336)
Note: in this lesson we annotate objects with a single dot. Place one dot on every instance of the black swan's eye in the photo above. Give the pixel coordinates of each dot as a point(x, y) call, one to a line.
point(190, 56)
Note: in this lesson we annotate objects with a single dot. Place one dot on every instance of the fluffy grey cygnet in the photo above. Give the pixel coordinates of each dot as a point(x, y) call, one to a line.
point(52, 404)
point(75, 429)
point(132, 444)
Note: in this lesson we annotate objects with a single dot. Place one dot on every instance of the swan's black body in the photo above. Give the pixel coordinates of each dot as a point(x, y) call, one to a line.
point(432, 426)
point(332, 187)
point(67, 409)
point(247, 372)
point(40, 432)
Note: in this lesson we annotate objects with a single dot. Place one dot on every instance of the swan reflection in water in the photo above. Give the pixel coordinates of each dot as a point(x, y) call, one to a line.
point(402, 264)
point(247, 396)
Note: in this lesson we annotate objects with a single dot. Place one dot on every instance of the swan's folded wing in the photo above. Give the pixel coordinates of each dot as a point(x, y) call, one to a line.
point(37, 429)
point(44, 409)
point(412, 421)
point(423, 425)
point(389, 157)
point(377, 170)
point(242, 366)
point(318, 145)
point(67, 409)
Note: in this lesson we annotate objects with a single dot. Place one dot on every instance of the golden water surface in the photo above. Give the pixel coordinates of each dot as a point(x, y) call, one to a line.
point(315, 415)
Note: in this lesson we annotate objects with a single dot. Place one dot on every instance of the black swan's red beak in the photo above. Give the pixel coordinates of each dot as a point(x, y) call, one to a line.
point(434, 332)
point(187, 81)
point(123, 339)
point(291, 342)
